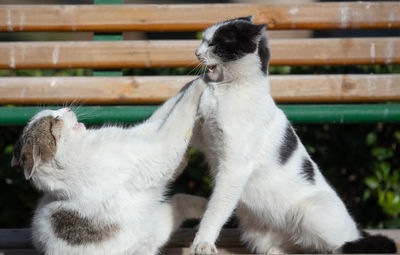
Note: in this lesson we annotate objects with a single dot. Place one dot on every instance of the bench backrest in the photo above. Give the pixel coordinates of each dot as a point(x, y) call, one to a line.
point(134, 90)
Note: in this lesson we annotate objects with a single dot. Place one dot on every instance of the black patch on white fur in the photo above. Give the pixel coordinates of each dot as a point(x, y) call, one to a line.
point(288, 146)
point(307, 170)
point(370, 244)
point(77, 230)
point(235, 39)
point(264, 54)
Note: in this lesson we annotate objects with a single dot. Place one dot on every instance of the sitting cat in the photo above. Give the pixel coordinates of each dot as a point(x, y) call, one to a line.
point(104, 188)
point(260, 167)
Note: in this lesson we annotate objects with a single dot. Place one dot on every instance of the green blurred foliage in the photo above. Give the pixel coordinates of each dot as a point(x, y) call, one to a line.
point(361, 161)
point(46, 72)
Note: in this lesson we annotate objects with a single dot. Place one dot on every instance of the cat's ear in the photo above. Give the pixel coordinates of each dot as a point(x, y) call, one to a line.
point(55, 129)
point(249, 18)
point(255, 32)
point(16, 153)
point(30, 161)
point(14, 161)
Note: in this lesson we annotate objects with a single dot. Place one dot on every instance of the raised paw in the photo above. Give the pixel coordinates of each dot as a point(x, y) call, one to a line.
point(203, 248)
point(275, 250)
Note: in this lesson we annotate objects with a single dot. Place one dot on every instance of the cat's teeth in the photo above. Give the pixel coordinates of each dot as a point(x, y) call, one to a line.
point(211, 69)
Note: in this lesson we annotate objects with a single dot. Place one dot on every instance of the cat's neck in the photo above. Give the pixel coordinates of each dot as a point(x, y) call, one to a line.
point(246, 69)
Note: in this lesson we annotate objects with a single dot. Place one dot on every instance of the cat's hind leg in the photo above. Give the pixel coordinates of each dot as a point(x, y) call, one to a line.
point(174, 212)
point(263, 241)
point(256, 234)
point(186, 206)
point(322, 224)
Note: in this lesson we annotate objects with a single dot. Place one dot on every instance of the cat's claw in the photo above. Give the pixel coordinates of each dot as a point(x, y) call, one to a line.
point(203, 248)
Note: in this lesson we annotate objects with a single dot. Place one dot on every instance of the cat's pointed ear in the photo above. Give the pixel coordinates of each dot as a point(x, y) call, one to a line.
point(14, 161)
point(55, 129)
point(16, 153)
point(261, 28)
point(249, 18)
point(31, 161)
point(258, 31)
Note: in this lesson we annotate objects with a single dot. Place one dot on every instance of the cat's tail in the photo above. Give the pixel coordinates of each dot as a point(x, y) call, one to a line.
point(370, 244)
point(186, 207)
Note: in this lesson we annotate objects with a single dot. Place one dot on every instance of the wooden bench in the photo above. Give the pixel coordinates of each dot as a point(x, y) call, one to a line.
point(17, 242)
point(313, 98)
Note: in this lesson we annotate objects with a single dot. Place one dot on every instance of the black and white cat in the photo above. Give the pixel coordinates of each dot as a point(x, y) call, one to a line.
point(104, 188)
point(259, 165)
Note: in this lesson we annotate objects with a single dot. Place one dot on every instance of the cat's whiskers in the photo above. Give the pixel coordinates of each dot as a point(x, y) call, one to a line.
point(88, 113)
point(195, 69)
point(203, 69)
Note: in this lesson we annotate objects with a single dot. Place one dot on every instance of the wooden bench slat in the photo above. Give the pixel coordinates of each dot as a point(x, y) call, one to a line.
point(167, 251)
point(18, 252)
point(228, 242)
point(170, 53)
point(297, 113)
point(196, 17)
point(156, 89)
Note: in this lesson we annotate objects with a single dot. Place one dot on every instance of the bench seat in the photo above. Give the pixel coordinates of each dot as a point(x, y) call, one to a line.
point(17, 242)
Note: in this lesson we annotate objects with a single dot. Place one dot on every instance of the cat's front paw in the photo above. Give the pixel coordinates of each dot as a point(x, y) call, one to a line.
point(203, 248)
point(275, 250)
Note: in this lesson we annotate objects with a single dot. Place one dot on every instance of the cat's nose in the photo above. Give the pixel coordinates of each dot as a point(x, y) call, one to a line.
point(197, 54)
point(68, 109)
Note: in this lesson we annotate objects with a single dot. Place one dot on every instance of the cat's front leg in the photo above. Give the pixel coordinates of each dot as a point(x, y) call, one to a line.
point(153, 123)
point(162, 153)
point(230, 181)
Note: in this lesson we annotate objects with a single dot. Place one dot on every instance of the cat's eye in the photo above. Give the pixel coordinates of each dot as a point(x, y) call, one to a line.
point(57, 117)
point(211, 44)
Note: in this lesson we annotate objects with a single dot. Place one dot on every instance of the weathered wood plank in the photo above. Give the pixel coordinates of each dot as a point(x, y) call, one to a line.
point(18, 252)
point(168, 251)
point(196, 17)
point(228, 242)
point(230, 238)
point(156, 89)
point(11, 238)
point(167, 53)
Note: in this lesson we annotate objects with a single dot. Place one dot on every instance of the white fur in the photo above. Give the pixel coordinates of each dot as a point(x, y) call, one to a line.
point(118, 176)
point(240, 132)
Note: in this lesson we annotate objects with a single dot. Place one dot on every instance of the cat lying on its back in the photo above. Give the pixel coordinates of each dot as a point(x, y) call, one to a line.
point(260, 166)
point(104, 188)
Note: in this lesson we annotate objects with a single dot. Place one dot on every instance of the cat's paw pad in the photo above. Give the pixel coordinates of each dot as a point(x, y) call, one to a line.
point(275, 250)
point(203, 248)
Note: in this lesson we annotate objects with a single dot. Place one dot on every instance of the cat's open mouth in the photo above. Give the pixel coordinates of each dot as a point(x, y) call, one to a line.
point(79, 125)
point(212, 68)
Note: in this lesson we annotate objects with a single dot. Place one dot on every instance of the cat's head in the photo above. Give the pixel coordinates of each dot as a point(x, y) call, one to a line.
point(237, 44)
point(46, 133)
